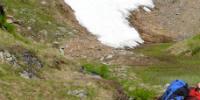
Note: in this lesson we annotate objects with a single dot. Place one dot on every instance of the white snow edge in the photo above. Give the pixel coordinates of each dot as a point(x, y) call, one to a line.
point(107, 19)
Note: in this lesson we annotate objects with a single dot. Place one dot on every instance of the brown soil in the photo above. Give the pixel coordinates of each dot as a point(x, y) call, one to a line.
point(177, 19)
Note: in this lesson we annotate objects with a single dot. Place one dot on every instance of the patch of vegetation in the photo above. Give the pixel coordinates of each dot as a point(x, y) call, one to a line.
point(41, 21)
point(138, 90)
point(135, 87)
point(47, 86)
point(154, 50)
point(142, 94)
point(9, 26)
point(97, 69)
point(6, 70)
point(15, 87)
point(165, 73)
point(131, 85)
point(189, 47)
point(4, 24)
point(168, 67)
point(194, 44)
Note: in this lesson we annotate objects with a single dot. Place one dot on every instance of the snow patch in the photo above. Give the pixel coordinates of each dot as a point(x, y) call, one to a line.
point(107, 19)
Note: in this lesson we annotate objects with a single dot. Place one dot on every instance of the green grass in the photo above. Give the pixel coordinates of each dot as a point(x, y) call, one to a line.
point(14, 87)
point(5, 25)
point(132, 86)
point(168, 67)
point(142, 94)
point(9, 27)
point(163, 74)
point(98, 69)
point(154, 50)
point(45, 21)
point(165, 67)
point(134, 89)
point(189, 47)
point(194, 44)
point(2, 20)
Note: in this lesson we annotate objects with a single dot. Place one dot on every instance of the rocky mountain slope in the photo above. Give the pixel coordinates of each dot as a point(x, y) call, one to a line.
point(49, 56)
point(177, 19)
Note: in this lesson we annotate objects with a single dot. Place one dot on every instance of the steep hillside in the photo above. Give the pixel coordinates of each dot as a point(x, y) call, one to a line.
point(189, 47)
point(177, 19)
point(49, 56)
point(32, 62)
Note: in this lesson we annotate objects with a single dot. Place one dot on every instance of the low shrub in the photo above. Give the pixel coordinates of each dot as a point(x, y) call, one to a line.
point(5, 25)
point(97, 69)
point(142, 94)
point(9, 27)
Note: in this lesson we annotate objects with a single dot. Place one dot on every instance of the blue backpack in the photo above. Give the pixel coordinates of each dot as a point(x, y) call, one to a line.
point(177, 90)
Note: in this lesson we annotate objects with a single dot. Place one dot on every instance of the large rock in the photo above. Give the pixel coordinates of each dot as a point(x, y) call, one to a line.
point(6, 56)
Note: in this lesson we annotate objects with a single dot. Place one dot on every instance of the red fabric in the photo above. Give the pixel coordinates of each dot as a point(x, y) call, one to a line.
point(194, 93)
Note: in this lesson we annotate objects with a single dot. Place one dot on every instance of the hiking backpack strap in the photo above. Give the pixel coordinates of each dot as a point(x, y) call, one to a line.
point(174, 86)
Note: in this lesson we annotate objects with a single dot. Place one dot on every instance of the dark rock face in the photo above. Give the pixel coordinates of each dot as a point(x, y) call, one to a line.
point(32, 61)
point(23, 60)
point(33, 64)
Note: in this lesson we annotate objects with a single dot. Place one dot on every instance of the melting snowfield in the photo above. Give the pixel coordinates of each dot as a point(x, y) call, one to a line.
point(107, 19)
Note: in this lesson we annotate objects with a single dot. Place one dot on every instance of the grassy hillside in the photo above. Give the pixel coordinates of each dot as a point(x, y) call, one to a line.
point(39, 20)
point(190, 47)
point(33, 67)
point(168, 67)
point(45, 75)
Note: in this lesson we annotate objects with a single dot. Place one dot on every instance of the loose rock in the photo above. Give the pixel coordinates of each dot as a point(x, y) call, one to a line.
point(78, 93)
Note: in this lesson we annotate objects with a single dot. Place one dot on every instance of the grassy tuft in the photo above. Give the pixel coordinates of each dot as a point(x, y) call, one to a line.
point(5, 25)
point(142, 94)
point(97, 69)
point(9, 27)
point(190, 47)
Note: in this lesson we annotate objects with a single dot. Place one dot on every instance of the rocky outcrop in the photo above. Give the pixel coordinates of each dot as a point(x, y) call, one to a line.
point(177, 19)
point(7, 57)
point(78, 93)
point(33, 65)
point(29, 63)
